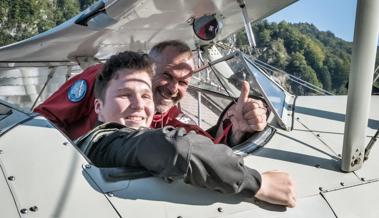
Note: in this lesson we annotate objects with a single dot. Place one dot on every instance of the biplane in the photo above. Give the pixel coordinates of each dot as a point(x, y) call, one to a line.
point(325, 142)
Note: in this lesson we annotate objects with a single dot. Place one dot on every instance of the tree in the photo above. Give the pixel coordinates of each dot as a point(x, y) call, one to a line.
point(84, 4)
point(21, 19)
point(66, 9)
point(299, 68)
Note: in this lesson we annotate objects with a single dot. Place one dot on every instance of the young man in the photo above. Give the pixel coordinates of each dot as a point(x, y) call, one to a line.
point(71, 108)
point(125, 106)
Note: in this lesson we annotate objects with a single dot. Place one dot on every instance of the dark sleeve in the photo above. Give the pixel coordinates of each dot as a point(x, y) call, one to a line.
point(174, 153)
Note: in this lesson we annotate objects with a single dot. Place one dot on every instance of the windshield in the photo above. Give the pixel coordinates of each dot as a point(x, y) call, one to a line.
point(275, 94)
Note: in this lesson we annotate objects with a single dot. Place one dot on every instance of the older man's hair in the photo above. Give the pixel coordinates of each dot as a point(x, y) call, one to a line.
point(124, 60)
point(180, 46)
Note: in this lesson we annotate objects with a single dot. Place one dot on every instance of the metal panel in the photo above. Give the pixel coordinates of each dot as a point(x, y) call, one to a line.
point(328, 124)
point(148, 196)
point(310, 207)
point(7, 206)
point(353, 202)
point(47, 172)
point(300, 153)
point(145, 197)
point(331, 112)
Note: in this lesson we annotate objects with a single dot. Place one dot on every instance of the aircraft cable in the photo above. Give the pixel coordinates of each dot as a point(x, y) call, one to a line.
point(49, 77)
point(222, 84)
point(69, 72)
point(376, 71)
point(272, 68)
point(293, 78)
point(370, 145)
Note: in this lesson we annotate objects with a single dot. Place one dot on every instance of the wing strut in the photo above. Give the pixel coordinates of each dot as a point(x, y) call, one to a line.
point(246, 20)
point(360, 83)
point(49, 77)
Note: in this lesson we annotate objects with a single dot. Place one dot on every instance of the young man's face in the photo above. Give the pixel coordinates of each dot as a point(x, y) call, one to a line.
point(128, 99)
point(173, 74)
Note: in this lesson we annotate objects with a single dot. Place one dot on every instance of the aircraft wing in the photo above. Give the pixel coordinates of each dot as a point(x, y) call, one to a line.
point(108, 27)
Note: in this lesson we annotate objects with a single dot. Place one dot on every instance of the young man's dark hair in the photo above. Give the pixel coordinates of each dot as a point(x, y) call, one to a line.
point(123, 60)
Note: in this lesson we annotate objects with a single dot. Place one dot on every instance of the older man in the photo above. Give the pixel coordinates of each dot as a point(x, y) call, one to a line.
point(175, 65)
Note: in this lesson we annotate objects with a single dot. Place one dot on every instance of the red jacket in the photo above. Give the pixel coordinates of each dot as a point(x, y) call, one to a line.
point(170, 118)
point(71, 107)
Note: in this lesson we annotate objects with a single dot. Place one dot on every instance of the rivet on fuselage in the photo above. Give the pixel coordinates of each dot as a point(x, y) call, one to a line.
point(33, 209)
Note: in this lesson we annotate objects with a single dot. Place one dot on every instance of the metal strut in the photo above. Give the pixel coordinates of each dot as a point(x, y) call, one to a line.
point(49, 77)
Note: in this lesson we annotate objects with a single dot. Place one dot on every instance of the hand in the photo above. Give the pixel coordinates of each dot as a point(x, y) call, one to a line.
point(277, 188)
point(248, 115)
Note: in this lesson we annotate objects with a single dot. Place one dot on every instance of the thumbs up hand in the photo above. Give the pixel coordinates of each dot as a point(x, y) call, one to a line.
point(248, 115)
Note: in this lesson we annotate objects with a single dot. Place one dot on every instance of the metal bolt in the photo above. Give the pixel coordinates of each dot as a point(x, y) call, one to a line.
point(339, 155)
point(317, 165)
point(220, 209)
point(65, 143)
point(180, 217)
point(33, 209)
point(357, 150)
point(342, 183)
point(110, 194)
point(320, 188)
point(318, 135)
point(24, 211)
point(363, 179)
point(297, 118)
point(87, 166)
point(11, 178)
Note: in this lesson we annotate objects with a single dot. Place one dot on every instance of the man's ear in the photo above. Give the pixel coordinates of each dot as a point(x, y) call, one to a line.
point(98, 105)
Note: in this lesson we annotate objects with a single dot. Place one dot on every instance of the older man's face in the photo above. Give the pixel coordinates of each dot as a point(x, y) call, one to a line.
point(172, 78)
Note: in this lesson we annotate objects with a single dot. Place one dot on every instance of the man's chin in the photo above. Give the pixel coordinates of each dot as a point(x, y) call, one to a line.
point(164, 106)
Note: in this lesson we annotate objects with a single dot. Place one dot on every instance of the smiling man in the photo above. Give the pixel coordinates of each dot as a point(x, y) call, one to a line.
point(127, 98)
point(175, 65)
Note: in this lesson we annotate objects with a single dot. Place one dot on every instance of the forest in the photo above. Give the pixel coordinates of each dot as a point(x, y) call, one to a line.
point(318, 57)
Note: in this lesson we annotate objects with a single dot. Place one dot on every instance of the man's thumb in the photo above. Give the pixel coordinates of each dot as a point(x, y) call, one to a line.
point(245, 89)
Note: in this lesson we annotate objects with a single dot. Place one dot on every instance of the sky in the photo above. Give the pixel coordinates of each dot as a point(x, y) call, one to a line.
point(337, 16)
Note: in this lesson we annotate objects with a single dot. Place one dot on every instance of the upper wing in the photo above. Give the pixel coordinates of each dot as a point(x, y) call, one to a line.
point(112, 26)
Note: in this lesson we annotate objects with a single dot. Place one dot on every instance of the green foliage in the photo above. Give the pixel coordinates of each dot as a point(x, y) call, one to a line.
point(302, 50)
point(65, 9)
point(21, 19)
point(84, 4)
